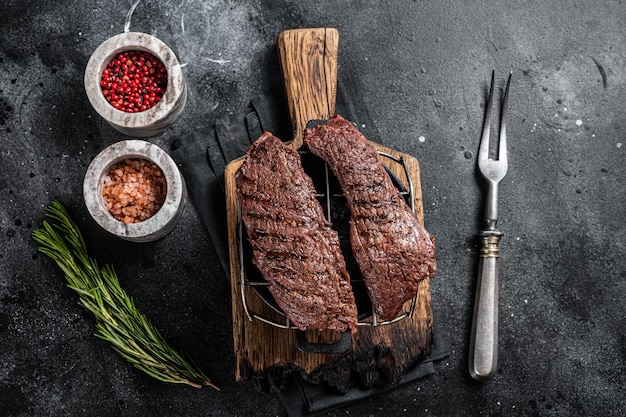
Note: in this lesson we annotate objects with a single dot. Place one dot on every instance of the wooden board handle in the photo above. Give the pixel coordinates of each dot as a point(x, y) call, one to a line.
point(308, 61)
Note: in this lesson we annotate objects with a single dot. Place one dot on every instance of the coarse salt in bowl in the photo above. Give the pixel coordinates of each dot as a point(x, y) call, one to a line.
point(134, 190)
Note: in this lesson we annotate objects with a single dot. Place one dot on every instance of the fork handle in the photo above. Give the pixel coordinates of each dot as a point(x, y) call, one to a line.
point(483, 353)
point(491, 204)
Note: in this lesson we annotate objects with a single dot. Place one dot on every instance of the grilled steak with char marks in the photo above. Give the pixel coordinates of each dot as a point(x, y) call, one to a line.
point(393, 250)
point(293, 245)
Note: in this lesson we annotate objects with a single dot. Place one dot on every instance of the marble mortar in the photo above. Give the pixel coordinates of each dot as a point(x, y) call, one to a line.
point(149, 122)
point(164, 220)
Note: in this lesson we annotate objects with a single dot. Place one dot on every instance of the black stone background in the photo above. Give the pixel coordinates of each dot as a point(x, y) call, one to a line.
point(424, 68)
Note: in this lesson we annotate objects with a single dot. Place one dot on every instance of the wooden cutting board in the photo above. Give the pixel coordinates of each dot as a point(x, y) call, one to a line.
point(308, 59)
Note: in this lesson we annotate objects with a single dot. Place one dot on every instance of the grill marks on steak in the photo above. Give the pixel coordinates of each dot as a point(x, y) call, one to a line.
point(293, 244)
point(393, 250)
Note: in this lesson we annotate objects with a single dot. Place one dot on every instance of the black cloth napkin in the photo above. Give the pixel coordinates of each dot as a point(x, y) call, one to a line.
point(202, 157)
point(302, 398)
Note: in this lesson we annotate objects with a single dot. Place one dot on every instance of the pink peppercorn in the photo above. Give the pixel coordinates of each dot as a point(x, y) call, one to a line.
point(134, 81)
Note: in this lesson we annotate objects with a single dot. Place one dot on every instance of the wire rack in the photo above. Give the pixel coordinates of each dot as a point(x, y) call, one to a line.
point(333, 201)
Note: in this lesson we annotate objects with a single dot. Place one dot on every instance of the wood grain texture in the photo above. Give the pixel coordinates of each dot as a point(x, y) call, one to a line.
point(308, 61)
point(379, 354)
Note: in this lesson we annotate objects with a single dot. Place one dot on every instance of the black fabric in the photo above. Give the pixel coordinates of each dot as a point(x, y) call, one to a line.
point(303, 399)
point(205, 187)
point(202, 158)
point(203, 155)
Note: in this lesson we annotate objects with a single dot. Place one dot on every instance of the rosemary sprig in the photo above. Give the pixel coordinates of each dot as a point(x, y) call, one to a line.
point(130, 333)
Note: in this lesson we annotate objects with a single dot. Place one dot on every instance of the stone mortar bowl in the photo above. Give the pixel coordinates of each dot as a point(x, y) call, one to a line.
point(164, 220)
point(157, 118)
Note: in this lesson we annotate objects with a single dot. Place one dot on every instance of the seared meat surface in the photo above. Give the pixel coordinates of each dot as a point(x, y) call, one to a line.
point(293, 245)
point(393, 250)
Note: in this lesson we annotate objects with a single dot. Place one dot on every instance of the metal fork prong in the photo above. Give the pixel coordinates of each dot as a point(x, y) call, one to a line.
point(483, 151)
point(502, 152)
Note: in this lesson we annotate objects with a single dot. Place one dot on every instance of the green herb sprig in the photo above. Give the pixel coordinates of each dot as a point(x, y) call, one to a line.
point(130, 333)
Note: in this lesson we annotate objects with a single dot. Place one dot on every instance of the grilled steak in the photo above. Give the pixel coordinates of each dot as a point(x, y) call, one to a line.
point(293, 245)
point(393, 250)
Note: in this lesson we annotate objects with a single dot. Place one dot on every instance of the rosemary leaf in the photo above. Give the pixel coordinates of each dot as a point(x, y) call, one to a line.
point(118, 321)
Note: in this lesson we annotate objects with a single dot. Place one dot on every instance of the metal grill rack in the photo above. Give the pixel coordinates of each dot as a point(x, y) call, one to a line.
point(331, 197)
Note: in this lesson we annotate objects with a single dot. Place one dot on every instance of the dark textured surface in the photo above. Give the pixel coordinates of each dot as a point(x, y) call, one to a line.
point(423, 68)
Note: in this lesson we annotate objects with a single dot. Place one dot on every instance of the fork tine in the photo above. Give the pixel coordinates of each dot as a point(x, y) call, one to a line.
point(483, 151)
point(502, 155)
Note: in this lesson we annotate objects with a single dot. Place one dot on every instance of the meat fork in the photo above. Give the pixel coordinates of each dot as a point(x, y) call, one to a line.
point(483, 353)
